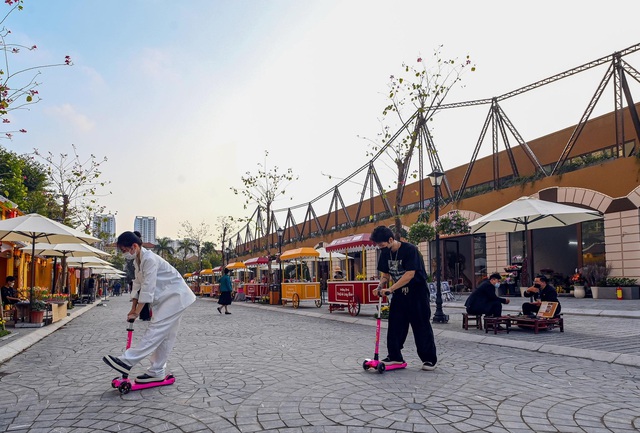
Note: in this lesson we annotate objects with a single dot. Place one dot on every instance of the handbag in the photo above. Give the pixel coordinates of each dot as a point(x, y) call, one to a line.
point(146, 313)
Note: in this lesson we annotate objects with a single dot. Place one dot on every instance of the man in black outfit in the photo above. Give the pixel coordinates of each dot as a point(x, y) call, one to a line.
point(540, 291)
point(402, 263)
point(483, 300)
point(9, 292)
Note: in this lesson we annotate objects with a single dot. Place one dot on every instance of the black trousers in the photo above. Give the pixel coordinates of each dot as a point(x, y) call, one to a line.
point(529, 308)
point(491, 309)
point(414, 310)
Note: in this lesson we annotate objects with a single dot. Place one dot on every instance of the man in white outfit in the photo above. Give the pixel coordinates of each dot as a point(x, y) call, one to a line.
point(160, 285)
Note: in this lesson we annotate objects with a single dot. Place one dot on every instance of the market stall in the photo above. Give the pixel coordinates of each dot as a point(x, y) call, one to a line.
point(257, 287)
point(238, 279)
point(353, 291)
point(297, 285)
point(215, 286)
point(206, 282)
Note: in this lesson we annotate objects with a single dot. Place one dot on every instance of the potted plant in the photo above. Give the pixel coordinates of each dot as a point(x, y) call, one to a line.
point(595, 276)
point(384, 312)
point(577, 280)
point(609, 286)
point(453, 223)
point(38, 308)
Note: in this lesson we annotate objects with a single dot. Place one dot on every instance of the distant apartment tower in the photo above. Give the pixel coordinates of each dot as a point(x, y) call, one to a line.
point(104, 227)
point(147, 228)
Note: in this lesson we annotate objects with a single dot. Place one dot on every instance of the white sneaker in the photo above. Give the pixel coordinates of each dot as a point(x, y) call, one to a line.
point(429, 366)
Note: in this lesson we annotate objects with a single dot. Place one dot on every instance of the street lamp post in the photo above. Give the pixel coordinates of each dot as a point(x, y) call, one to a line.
point(228, 251)
point(439, 316)
point(280, 233)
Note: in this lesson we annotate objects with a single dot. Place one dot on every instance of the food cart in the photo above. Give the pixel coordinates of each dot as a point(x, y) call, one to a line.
point(351, 293)
point(206, 282)
point(257, 287)
point(215, 287)
point(296, 285)
point(237, 283)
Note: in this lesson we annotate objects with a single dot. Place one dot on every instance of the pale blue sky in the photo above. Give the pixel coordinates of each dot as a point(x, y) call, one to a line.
point(184, 97)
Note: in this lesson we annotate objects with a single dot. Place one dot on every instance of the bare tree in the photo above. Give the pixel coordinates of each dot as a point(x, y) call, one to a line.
point(75, 185)
point(225, 225)
point(263, 189)
point(414, 97)
point(17, 93)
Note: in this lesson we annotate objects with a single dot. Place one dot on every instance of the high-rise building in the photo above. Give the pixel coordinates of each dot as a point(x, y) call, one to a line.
point(104, 227)
point(147, 228)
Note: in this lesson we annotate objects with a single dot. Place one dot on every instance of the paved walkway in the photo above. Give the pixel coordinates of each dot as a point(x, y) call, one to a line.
point(276, 369)
point(599, 329)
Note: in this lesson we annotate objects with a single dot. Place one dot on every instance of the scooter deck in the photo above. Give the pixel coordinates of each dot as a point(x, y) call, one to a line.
point(126, 385)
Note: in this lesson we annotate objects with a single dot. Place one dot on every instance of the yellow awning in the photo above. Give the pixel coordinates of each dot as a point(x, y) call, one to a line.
point(235, 265)
point(187, 275)
point(299, 253)
point(206, 272)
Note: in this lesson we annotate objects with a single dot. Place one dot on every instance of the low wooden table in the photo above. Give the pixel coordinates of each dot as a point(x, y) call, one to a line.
point(538, 323)
point(493, 323)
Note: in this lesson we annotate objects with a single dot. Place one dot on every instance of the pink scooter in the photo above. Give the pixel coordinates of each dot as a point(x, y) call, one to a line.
point(375, 363)
point(124, 385)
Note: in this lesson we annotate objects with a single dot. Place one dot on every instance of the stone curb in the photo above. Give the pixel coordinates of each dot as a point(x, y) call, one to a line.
point(22, 343)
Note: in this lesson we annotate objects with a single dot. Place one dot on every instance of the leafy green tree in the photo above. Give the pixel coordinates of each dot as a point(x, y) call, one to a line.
point(186, 247)
point(414, 97)
point(12, 184)
point(164, 247)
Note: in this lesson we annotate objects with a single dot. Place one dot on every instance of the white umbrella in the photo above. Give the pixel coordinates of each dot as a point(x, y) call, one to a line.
point(528, 213)
point(34, 227)
point(87, 260)
point(64, 251)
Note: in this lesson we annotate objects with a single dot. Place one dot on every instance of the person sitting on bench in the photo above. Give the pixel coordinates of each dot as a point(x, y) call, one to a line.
point(483, 300)
point(540, 291)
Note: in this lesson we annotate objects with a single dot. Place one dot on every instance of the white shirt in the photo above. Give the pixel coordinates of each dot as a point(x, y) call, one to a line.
point(159, 283)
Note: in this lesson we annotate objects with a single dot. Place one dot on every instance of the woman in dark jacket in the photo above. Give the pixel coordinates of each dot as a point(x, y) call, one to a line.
point(483, 300)
point(225, 292)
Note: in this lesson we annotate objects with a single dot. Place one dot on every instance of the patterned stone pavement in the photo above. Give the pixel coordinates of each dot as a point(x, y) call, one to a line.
point(268, 368)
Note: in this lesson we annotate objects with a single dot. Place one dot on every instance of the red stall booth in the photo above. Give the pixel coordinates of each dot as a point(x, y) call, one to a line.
point(351, 293)
point(257, 287)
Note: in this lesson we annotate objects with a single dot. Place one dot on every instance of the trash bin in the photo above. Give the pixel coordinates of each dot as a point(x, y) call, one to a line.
point(274, 294)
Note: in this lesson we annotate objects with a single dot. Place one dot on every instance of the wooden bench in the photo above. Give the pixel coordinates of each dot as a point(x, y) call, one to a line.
point(494, 323)
point(471, 319)
point(538, 323)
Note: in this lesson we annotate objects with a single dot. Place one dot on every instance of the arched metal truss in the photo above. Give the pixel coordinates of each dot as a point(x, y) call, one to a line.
point(247, 239)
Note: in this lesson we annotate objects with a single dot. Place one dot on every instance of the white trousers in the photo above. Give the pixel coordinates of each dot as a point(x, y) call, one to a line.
point(156, 343)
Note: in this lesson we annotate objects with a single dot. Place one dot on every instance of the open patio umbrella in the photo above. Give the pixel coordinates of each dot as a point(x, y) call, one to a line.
point(527, 213)
point(33, 228)
point(65, 250)
point(87, 261)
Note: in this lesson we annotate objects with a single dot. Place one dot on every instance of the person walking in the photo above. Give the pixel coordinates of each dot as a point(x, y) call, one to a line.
point(157, 283)
point(402, 263)
point(225, 292)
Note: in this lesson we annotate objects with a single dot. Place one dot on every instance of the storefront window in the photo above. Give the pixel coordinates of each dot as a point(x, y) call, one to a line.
point(593, 243)
point(479, 257)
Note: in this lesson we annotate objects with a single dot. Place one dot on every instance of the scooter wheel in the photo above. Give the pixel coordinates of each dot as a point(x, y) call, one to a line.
point(365, 365)
point(124, 388)
point(381, 368)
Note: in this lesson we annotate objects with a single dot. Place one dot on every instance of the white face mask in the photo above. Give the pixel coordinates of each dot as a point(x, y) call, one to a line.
point(129, 256)
point(497, 285)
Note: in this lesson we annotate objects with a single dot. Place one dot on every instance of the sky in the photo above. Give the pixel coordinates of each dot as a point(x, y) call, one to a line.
point(184, 98)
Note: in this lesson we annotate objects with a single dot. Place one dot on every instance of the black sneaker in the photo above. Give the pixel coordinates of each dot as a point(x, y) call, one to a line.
point(388, 361)
point(429, 366)
point(116, 364)
point(145, 378)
